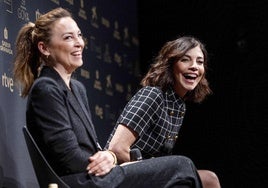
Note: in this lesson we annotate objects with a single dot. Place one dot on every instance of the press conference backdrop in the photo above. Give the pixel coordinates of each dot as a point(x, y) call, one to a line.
point(109, 72)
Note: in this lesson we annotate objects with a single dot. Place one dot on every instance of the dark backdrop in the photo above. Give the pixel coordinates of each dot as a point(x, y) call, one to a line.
point(109, 71)
point(227, 133)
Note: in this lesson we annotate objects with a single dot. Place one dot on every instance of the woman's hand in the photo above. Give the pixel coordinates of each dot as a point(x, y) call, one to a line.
point(101, 163)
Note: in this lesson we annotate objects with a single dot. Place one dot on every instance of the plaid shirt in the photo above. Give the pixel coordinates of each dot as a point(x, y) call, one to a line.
point(156, 117)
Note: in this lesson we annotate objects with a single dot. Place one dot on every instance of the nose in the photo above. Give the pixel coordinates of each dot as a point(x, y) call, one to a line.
point(194, 65)
point(79, 42)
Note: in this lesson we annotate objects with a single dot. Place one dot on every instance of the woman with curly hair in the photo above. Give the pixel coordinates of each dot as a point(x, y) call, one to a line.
point(153, 117)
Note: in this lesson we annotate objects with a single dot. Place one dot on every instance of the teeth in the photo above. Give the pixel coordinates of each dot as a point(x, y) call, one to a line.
point(76, 53)
point(190, 75)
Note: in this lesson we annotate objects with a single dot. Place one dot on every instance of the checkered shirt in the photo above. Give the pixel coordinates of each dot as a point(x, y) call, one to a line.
point(156, 117)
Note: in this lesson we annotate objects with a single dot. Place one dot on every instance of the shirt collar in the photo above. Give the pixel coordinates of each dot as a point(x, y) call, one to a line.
point(172, 97)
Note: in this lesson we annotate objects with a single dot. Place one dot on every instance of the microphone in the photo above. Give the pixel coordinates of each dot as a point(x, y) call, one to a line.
point(135, 154)
point(167, 148)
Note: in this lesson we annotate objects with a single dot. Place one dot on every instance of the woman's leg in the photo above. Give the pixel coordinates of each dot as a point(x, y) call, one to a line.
point(209, 179)
point(161, 172)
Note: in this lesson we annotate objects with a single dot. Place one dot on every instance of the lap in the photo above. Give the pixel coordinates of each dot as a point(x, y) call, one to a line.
point(160, 172)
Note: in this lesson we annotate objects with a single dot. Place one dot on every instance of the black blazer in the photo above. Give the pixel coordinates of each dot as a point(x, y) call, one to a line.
point(60, 121)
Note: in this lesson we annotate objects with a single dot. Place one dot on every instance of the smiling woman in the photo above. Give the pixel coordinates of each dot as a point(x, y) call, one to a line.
point(64, 50)
point(153, 117)
point(188, 70)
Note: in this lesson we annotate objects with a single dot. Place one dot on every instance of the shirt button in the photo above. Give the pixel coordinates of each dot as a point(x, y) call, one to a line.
point(171, 113)
point(181, 114)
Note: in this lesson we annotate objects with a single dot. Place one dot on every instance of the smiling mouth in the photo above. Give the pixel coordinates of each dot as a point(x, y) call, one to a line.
point(77, 53)
point(190, 76)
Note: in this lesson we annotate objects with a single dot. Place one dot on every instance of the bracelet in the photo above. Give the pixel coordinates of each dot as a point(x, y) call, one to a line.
point(114, 156)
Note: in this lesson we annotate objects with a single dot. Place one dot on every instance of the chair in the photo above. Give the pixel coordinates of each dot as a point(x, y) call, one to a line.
point(44, 172)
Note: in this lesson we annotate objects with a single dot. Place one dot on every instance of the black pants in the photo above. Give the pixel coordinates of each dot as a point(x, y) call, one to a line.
point(161, 172)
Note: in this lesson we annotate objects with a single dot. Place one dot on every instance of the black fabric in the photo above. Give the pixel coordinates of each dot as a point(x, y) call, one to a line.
point(65, 136)
point(161, 172)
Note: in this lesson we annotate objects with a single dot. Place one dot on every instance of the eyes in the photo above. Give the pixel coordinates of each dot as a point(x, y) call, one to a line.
point(71, 36)
point(186, 59)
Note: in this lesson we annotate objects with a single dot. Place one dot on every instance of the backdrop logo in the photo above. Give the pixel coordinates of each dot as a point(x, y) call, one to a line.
point(5, 34)
point(119, 88)
point(97, 82)
point(105, 22)
point(116, 31)
point(126, 36)
point(5, 45)
point(7, 82)
point(99, 111)
point(22, 12)
point(82, 13)
point(118, 59)
point(9, 5)
point(84, 73)
point(94, 17)
point(86, 42)
point(106, 55)
point(109, 86)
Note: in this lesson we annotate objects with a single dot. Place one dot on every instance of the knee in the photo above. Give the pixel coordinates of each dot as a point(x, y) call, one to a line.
point(209, 179)
point(183, 158)
point(184, 163)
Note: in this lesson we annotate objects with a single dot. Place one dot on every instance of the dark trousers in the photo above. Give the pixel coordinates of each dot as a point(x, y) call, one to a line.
point(161, 172)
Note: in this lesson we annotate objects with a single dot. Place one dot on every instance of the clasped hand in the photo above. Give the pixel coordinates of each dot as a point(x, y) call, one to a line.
point(100, 163)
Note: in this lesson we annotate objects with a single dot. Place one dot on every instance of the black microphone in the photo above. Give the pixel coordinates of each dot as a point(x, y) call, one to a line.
point(167, 148)
point(135, 154)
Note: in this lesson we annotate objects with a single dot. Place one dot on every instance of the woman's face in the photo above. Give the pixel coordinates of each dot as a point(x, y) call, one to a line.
point(188, 71)
point(66, 45)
